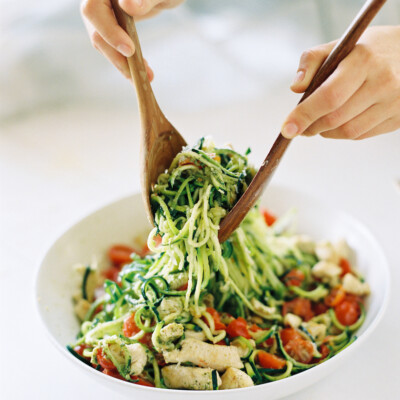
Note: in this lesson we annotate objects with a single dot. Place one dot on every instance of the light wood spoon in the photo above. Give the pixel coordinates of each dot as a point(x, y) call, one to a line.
point(344, 46)
point(160, 141)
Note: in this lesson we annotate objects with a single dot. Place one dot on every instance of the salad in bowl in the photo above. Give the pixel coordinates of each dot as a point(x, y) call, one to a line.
point(187, 312)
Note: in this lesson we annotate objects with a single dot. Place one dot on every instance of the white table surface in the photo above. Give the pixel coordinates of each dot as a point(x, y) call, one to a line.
point(60, 165)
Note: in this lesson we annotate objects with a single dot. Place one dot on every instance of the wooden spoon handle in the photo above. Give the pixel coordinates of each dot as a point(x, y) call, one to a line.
point(344, 46)
point(147, 102)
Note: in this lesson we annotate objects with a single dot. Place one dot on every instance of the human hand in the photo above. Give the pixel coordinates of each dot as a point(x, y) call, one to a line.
point(360, 99)
point(108, 37)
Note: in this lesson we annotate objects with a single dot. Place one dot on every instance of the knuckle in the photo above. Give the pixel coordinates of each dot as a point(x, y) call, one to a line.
point(332, 119)
point(309, 56)
point(331, 97)
point(305, 117)
point(389, 76)
point(365, 53)
point(314, 54)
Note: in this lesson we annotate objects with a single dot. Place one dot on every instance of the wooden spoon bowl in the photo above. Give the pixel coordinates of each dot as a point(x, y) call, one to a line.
point(160, 141)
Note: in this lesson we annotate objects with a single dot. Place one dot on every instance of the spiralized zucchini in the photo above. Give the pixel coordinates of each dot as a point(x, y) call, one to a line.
point(242, 293)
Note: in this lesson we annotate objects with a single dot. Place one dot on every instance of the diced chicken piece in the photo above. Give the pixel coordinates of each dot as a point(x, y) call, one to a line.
point(234, 378)
point(81, 308)
point(293, 320)
point(194, 378)
point(242, 349)
point(351, 284)
point(171, 332)
point(317, 331)
point(177, 280)
point(205, 355)
point(304, 243)
point(327, 271)
point(343, 250)
point(326, 252)
point(170, 305)
point(195, 335)
point(262, 309)
point(138, 358)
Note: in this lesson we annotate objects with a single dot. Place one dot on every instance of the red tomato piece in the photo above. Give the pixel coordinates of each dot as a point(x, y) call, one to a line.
point(300, 307)
point(142, 252)
point(130, 328)
point(157, 240)
point(142, 382)
point(104, 361)
point(146, 339)
point(217, 319)
point(289, 334)
point(268, 217)
point(112, 273)
point(267, 360)
point(186, 161)
point(113, 373)
point(335, 297)
point(221, 343)
point(346, 267)
point(301, 350)
point(160, 359)
point(324, 350)
point(255, 328)
point(354, 298)
point(183, 287)
point(319, 308)
point(120, 254)
point(295, 277)
point(347, 312)
point(238, 327)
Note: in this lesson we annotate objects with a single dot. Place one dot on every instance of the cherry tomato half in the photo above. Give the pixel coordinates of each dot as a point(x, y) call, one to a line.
point(238, 327)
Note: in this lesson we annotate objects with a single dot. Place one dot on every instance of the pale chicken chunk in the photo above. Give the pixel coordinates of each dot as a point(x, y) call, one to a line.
point(138, 358)
point(205, 355)
point(194, 378)
point(293, 320)
point(351, 284)
point(325, 251)
point(234, 378)
point(327, 271)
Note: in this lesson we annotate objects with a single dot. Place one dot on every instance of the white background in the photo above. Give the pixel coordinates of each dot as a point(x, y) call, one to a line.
point(65, 152)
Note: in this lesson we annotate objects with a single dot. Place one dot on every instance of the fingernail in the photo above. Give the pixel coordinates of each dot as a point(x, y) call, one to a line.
point(139, 3)
point(125, 50)
point(299, 77)
point(290, 130)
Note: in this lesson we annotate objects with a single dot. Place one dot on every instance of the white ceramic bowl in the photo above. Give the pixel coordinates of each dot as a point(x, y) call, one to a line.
point(124, 219)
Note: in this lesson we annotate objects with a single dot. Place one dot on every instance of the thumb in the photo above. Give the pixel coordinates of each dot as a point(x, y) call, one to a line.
point(310, 61)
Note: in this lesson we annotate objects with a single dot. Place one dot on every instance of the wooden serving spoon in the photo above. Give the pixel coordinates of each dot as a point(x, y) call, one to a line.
point(160, 141)
point(344, 46)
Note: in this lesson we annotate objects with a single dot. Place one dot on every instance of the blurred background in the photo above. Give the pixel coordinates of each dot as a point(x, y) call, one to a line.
point(69, 143)
point(205, 53)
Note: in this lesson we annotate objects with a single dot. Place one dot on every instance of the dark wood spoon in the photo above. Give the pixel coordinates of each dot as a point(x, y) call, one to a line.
point(344, 46)
point(160, 141)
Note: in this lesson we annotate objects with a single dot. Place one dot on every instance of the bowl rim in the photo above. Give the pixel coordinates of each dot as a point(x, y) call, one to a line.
point(179, 392)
